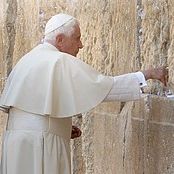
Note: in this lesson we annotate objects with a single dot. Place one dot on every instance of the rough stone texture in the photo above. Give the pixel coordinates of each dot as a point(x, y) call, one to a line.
point(87, 142)
point(161, 137)
point(78, 164)
point(107, 34)
point(112, 134)
point(156, 36)
point(171, 47)
point(139, 140)
point(119, 36)
point(155, 29)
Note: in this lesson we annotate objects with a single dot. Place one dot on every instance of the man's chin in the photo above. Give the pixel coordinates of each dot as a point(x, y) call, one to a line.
point(75, 54)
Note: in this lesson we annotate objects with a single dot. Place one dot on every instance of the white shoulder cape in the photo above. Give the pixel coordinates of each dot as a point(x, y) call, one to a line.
point(48, 82)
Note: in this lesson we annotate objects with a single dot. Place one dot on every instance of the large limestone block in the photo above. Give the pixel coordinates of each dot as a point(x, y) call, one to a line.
point(9, 18)
point(137, 140)
point(155, 29)
point(119, 138)
point(77, 158)
point(160, 139)
point(26, 28)
point(160, 148)
point(113, 142)
point(171, 46)
point(156, 37)
point(108, 34)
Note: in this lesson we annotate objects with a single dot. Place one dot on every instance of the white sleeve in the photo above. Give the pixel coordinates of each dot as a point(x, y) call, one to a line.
point(140, 78)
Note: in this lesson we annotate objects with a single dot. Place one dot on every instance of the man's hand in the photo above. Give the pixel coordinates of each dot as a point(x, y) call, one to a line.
point(76, 132)
point(160, 73)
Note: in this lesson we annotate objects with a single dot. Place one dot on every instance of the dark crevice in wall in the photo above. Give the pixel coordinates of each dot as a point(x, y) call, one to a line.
point(124, 142)
point(11, 33)
point(105, 29)
point(139, 13)
point(146, 132)
point(166, 35)
point(122, 104)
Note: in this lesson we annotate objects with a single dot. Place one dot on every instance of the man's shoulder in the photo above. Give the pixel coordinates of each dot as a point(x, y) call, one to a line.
point(42, 54)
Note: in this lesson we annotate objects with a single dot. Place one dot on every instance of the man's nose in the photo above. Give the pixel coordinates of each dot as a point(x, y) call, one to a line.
point(80, 45)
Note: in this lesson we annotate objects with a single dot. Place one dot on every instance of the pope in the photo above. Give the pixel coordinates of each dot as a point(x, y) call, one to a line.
point(47, 87)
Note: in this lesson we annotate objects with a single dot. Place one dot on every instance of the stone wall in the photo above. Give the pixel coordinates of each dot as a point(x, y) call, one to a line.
point(138, 140)
point(119, 36)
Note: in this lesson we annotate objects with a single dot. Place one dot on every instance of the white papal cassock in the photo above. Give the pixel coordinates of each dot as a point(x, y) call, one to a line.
point(44, 90)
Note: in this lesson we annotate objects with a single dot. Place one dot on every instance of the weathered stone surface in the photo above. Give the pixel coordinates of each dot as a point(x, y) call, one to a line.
point(162, 110)
point(108, 34)
point(112, 142)
point(160, 139)
point(170, 59)
point(128, 143)
point(156, 36)
point(160, 148)
point(116, 140)
point(87, 142)
point(78, 163)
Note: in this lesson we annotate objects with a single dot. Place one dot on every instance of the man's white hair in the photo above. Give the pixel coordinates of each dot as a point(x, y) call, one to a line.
point(66, 29)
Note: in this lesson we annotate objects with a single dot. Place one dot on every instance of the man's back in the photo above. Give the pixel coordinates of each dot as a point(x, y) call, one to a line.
point(48, 82)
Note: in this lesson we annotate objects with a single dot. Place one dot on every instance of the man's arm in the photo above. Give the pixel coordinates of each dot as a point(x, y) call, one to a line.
point(127, 87)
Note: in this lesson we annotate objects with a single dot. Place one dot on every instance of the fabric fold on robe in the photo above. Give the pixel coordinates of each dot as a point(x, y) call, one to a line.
point(48, 82)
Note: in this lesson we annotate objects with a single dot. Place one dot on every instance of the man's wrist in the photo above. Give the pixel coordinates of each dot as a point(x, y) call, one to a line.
point(147, 74)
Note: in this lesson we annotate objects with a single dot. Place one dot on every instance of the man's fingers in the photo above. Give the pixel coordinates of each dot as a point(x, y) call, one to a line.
point(76, 132)
point(159, 73)
point(162, 73)
point(166, 75)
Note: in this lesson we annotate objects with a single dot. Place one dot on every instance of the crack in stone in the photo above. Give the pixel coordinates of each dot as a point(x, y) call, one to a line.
point(122, 104)
point(139, 35)
point(147, 107)
point(124, 142)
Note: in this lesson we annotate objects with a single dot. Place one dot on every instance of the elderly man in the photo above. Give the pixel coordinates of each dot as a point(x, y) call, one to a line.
point(45, 89)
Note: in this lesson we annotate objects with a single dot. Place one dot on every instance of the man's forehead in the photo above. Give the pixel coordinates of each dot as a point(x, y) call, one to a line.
point(77, 30)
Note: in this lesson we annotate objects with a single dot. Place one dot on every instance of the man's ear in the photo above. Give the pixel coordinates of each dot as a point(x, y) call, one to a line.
point(59, 40)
